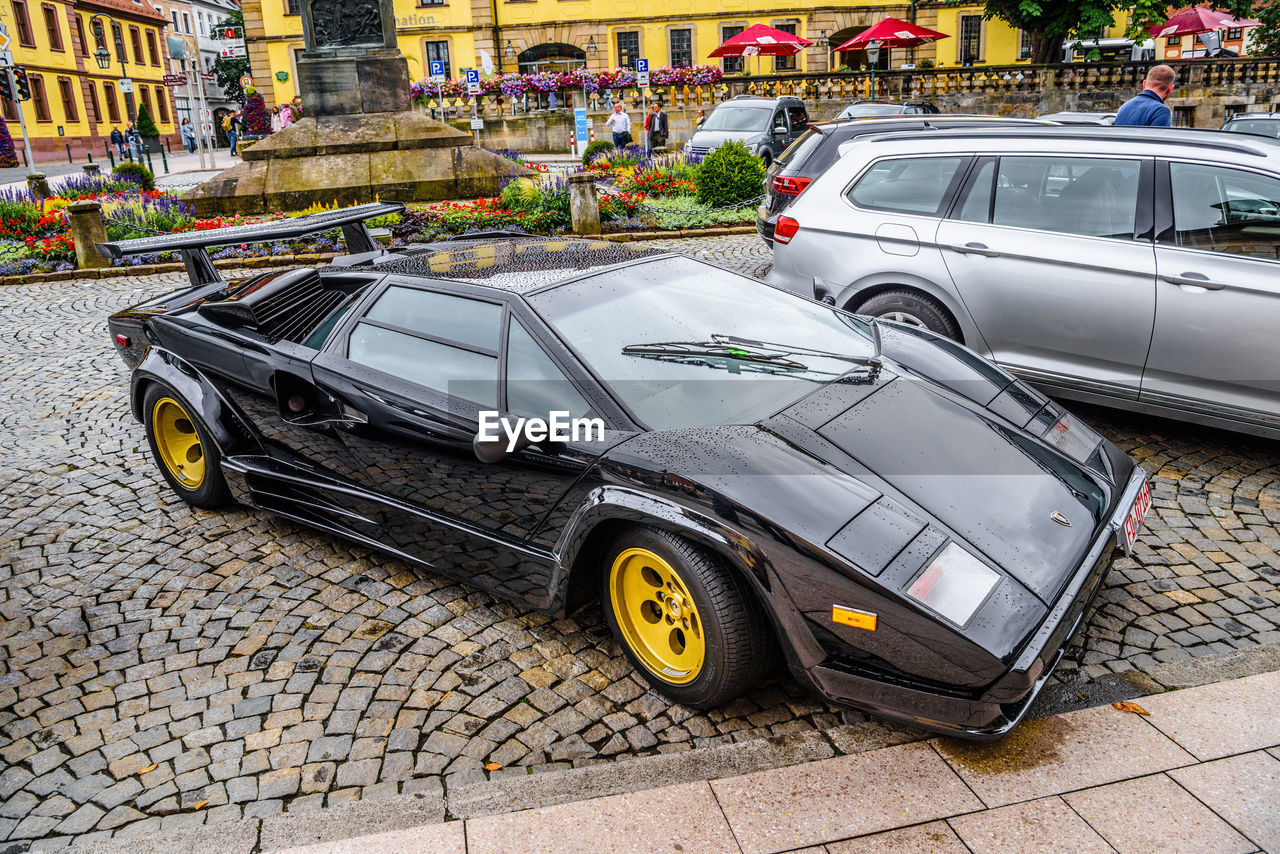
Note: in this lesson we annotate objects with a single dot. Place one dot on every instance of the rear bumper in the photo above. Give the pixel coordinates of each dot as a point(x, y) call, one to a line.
point(1004, 703)
point(765, 224)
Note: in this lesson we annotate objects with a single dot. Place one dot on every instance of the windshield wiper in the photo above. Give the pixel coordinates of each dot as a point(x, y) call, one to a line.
point(714, 349)
point(872, 363)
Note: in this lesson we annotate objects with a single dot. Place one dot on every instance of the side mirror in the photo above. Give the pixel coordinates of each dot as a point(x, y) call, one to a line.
point(779, 131)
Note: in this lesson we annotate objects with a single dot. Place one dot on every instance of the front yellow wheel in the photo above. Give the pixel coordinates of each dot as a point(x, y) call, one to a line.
point(177, 442)
point(657, 616)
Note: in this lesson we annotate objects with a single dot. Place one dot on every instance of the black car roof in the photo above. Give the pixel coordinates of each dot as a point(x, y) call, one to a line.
point(1088, 133)
point(511, 262)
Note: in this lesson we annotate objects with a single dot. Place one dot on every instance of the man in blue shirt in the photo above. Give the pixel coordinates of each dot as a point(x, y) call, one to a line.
point(1147, 108)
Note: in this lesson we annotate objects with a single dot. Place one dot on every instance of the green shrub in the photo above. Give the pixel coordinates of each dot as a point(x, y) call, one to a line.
point(730, 175)
point(522, 194)
point(595, 148)
point(146, 125)
point(142, 173)
point(685, 212)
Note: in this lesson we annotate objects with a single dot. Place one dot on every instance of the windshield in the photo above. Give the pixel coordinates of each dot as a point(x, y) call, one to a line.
point(738, 117)
point(683, 343)
point(1262, 127)
point(858, 111)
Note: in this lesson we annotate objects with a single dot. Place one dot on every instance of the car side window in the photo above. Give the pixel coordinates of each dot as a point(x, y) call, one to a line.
point(1226, 210)
point(443, 342)
point(536, 387)
point(799, 118)
point(976, 206)
point(917, 185)
point(1096, 197)
point(780, 120)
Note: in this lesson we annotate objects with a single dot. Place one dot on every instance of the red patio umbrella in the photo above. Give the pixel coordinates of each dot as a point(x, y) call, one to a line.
point(761, 40)
point(891, 33)
point(1197, 19)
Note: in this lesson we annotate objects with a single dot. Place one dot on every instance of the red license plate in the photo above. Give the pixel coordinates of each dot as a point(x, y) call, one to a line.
point(1137, 513)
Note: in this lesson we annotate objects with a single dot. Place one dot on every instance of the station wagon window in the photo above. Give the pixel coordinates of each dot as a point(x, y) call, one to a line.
point(535, 385)
point(1226, 210)
point(1096, 197)
point(915, 185)
point(443, 342)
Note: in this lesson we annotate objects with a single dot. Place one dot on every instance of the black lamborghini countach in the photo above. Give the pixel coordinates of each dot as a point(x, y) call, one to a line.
point(735, 471)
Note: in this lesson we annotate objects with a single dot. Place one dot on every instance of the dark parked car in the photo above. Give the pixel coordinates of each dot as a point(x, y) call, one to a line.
point(918, 533)
point(810, 155)
point(1260, 124)
point(766, 126)
point(873, 109)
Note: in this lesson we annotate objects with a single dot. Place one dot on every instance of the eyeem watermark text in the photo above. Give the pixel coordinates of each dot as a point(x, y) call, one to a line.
point(557, 427)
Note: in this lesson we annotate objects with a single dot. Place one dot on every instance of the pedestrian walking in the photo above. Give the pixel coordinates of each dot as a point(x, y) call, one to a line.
point(658, 127)
point(620, 124)
point(117, 139)
point(233, 126)
point(188, 136)
point(1148, 108)
point(276, 122)
point(135, 142)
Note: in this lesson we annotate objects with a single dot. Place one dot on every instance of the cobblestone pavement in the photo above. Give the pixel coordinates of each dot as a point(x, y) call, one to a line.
point(162, 666)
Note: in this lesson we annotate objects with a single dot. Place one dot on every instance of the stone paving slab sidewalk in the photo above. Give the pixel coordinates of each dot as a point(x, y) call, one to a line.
point(1193, 775)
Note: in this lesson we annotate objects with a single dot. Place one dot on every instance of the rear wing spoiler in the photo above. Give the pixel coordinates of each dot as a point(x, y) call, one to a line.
point(194, 246)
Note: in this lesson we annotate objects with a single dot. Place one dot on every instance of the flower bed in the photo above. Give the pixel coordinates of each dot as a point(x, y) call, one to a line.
point(515, 85)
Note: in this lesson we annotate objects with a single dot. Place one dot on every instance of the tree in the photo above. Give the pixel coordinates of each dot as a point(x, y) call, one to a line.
point(1050, 23)
point(229, 70)
point(146, 125)
point(8, 157)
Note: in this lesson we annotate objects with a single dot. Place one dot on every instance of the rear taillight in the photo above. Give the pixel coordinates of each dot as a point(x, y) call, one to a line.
point(789, 186)
point(785, 229)
point(122, 340)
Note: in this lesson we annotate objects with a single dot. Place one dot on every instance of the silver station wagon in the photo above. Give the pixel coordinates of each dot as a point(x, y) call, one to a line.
point(1137, 268)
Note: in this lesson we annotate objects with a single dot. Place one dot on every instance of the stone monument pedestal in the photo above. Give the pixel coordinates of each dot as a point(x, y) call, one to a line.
point(347, 82)
point(353, 159)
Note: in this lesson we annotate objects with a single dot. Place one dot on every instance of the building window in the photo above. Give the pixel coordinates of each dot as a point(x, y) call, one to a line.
point(294, 7)
point(162, 104)
point(1024, 44)
point(1234, 33)
point(109, 94)
point(420, 2)
point(145, 94)
point(970, 39)
point(785, 63)
point(731, 64)
point(93, 102)
point(438, 52)
point(135, 36)
point(39, 98)
point(1174, 41)
point(681, 48)
point(10, 114)
point(628, 49)
point(153, 53)
point(174, 14)
point(67, 94)
point(23, 21)
point(51, 26)
point(84, 45)
point(1184, 117)
point(186, 23)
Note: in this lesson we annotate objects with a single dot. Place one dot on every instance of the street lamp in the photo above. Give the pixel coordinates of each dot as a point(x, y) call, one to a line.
point(824, 41)
point(103, 57)
point(509, 50)
point(873, 56)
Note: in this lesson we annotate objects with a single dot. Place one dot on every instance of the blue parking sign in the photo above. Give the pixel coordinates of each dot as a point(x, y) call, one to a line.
point(437, 70)
point(642, 66)
point(473, 75)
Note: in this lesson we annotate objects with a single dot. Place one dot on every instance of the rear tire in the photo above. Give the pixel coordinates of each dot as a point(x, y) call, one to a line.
point(914, 309)
point(686, 622)
point(183, 449)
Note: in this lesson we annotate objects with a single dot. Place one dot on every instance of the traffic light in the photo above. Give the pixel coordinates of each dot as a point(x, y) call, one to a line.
point(6, 91)
point(21, 83)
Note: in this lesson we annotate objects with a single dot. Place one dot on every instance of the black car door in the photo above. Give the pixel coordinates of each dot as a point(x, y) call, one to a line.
point(420, 366)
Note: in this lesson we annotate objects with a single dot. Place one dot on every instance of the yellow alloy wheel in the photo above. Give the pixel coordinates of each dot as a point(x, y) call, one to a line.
point(657, 616)
point(177, 442)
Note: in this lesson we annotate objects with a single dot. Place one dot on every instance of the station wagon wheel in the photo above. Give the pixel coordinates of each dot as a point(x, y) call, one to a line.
point(686, 622)
point(914, 309)
point(182, 448)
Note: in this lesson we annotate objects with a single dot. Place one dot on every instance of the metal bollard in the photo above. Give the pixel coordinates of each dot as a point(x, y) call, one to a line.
point(70, 159)
point(164, 161)
point(147, 151)
point(111, 158)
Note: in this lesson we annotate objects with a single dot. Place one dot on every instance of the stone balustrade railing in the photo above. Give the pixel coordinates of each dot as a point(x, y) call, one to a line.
point(891, 85)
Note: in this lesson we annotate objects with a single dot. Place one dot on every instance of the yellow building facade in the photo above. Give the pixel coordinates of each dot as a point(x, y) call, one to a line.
point(73, 101)
point(529, 35)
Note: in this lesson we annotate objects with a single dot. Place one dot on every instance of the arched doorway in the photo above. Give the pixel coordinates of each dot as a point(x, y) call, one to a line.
point(853, 60)
point(551, 57)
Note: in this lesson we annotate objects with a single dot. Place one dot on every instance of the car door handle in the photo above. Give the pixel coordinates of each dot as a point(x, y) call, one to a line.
point(976, 249)
point(1194, 280)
